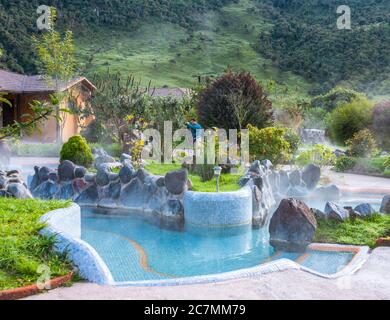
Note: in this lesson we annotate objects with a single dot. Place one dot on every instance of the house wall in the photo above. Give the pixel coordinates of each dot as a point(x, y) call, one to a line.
point(47, 131)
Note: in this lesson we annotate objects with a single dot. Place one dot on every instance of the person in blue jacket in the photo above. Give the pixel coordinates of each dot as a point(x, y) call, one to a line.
point(194, 127)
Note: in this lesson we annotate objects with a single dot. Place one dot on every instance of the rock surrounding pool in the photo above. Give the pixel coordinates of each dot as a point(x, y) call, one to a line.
point(136, 248)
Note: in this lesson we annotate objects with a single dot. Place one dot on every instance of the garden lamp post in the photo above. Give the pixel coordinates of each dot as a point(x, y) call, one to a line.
point(217, 174)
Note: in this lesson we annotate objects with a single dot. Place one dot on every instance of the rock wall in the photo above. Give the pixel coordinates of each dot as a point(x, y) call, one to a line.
point(13, 186)
point(269, 186)
point(128, 189)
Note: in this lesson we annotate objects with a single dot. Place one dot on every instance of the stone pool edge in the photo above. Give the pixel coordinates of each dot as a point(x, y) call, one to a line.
point(65, 224)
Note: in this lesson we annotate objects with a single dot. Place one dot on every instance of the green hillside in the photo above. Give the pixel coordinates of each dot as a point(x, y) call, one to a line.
point(172, 42)
point(171, 55)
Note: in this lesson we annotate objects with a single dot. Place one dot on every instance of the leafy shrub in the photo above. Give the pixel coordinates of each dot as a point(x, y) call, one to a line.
point(386, 163)
point(78, 151)
point(293, 139)
point(269, 143)
point(345, 163)
point(381, 124)
point(315, 118)
point(318, 154)
point(233, 101)
point(348, 119)
point(95, 132)
point(362, 144)
point(336, 97)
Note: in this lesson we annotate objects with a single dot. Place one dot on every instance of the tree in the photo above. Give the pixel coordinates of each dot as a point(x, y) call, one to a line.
point(57, 62)
point(118, 105)
point(348, 119)
point(234, 101)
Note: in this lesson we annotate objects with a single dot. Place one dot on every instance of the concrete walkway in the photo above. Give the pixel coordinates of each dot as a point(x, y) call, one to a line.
point(370, 282)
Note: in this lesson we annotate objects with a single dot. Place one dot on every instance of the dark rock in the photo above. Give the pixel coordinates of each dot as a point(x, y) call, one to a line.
point(336, 212)
point(175, 207)
point(125, 158)
point(35, 182)
point(5, 194)
point(102, 178)
point(80, 172)
point(66, 192)
point(53, 176)
point(66, 171)
point(89, 196)
point(311, 175)
point(114, 190)
point(160, 182)
point(244, 180)
point(142, 175)
point(90, 178)
point(365, 210)
point(133, 194)
point(12, 172)
point(113, 176)
point(79, 185)
point(46, 190)
point(256, 167)
point(385, 206)
point(339, 153)
point(3, 182)
point(258, 182)
point(127, 173)
point(292, 226)
point(15, 180)
point(295, 178)
point(176, 181)
point(318, 214)
point(19, 191)
point(43, 174)
point(259, 214)
point(267, 164)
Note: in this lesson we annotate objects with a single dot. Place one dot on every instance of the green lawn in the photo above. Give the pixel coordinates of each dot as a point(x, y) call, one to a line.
point(22, 249)
point(228, 182)
point(354, 232)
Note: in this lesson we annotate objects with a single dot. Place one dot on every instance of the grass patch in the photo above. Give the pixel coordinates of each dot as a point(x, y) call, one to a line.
point(22, 249)
point(228, 182)
point(35, 149)
point(354, 232)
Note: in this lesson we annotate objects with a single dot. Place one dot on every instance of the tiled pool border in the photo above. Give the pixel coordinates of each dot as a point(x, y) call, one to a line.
point(65, 224)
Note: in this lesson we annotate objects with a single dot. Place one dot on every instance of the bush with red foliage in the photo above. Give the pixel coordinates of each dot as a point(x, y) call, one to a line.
point(233, 101)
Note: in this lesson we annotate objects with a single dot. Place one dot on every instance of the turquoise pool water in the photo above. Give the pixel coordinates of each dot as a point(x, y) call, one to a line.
point(136, 248)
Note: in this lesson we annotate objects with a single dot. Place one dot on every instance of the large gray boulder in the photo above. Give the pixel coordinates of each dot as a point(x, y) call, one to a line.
point(46, 190)
point(19, 191)
point(292, 226)
point(133, 194)
point(364, 210)
point(176, 181)
point(311, 175)
point(336, 212)
point(43, 174)
point(385, 206)
point(66, 170)
point(102, 178)
point(90, 196)
point(126, 173)
point(80, 172)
